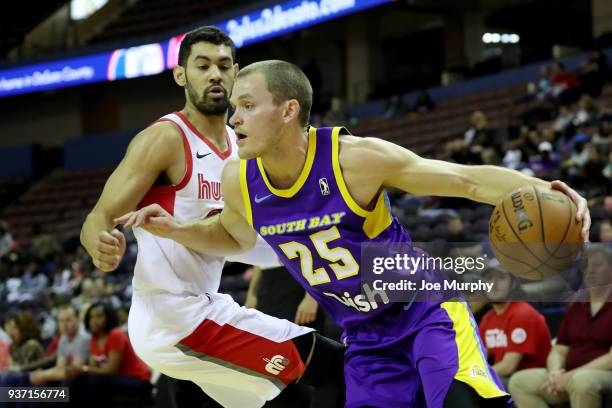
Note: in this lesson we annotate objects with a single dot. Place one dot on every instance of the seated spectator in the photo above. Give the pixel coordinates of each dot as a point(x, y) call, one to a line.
point(6, 239)
point(545, 165)
point(515, 334)
point(587, 111)
point(565, 85)
point(594, 73)
point(26, 352)
point(579, 366)
point(112, 363)
point(72, 351)
point(423, 103)
point(605, 232)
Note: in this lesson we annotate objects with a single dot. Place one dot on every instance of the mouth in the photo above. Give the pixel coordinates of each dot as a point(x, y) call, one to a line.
point(216, 91)
point(240, 136)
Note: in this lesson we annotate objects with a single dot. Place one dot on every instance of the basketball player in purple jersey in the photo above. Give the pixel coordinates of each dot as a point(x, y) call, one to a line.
point(316, 195)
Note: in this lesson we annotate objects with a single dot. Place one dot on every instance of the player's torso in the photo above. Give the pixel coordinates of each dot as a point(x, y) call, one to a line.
point(162, 263)
point(318, 230)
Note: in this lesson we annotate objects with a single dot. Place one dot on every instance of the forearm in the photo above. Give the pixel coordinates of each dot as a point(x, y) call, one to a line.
point(254, 285)
point(555, 361)
point(94, 223)
point(603, 362)
point(40, 363)
point(207, 236)
point(490, 184)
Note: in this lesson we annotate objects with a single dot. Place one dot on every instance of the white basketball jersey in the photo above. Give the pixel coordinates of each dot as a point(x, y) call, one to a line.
point(162, 264)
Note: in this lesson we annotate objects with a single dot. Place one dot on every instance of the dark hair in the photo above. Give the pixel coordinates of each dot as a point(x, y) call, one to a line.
point(27, 325)
point(65, 306)
point(109, 313)
point(209, 34)
point(284, 81)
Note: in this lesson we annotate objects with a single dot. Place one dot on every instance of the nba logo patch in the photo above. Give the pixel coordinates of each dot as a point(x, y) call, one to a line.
point(324, 185)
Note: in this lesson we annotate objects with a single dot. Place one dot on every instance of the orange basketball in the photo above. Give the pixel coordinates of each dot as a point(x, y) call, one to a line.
point(534, 233)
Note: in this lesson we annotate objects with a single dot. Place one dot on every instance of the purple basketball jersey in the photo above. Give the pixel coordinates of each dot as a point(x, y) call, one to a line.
point(317, 229)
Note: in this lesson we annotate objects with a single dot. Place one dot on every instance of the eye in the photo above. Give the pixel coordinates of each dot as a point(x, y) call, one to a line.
point(225, 67)
point(248, 106)
point(203, 67)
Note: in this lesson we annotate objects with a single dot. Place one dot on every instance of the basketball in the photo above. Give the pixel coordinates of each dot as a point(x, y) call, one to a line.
point(534, 233)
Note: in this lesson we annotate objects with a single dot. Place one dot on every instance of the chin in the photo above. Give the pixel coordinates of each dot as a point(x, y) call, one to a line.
point(246, 154)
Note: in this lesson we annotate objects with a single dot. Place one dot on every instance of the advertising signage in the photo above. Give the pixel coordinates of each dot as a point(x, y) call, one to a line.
point(151, 59)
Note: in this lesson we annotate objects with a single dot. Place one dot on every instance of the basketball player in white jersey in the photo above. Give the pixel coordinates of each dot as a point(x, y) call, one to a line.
point(178, 323)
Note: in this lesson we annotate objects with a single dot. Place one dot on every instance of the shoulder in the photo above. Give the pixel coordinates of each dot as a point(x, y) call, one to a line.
point(355, 150)
point(165, 132)
point(486, 319)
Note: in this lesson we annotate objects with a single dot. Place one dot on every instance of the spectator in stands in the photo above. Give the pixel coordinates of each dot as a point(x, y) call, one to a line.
point(26, 352)
point(395, 107)
point(6, 239)
point(594, 73)
point(5, 346)
point(515, 334)
point(424, 103)
point(587, 111)
point(33, 280)
point(44, 244)
point(565, 85)
point(605, 232)
point(112, 364)
point(541, 89)
point(545, 165)
point(563, 120)
point(579, 367)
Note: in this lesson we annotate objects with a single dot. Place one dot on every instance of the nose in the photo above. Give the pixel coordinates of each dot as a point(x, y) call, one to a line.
point(214, 74)
point(235, 119)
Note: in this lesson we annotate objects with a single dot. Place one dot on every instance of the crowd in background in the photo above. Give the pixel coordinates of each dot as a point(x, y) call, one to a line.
point(57, 309)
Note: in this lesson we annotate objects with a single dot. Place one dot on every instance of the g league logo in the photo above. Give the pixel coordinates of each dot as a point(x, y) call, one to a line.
point(324, 185)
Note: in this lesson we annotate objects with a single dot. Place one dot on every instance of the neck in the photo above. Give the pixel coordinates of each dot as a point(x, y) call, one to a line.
point(284, 163)
point(211, 126)
point(600, 293)
point(500, 307)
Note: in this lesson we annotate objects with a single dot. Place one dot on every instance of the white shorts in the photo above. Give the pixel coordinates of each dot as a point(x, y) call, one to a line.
point(240, 357)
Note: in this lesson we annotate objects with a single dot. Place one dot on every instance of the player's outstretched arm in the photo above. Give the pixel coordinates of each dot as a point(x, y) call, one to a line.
point(391, 165)
point(151, 152)
point(224, 234)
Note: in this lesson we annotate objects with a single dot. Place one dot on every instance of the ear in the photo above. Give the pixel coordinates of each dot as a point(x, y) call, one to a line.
point(236, 69)
point(291, 111)
point(179, 75)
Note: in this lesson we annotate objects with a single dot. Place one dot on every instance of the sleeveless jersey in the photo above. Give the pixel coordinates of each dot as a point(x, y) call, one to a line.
point(317, 229)
point(162, 264)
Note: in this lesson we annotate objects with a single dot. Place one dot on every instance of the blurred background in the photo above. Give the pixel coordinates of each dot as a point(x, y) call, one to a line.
point(524, 84)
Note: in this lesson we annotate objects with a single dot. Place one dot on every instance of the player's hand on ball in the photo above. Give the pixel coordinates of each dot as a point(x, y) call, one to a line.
point(108, 250)
point(306, 311)
point(153, 218)
point(581, 204)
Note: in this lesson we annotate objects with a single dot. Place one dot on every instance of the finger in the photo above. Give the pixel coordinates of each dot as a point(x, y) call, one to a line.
point(298, 317)
point(586, 227)
point(123, 219)
point(104, 248)
point(120, 237)
point(107, 238)
point(111, 259)
point(144, 215)
point(309, 318)
point(103, 266)
point(132, 220)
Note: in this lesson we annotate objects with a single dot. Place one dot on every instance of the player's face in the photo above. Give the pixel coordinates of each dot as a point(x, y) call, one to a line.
point(209, 77)
point(257, 121)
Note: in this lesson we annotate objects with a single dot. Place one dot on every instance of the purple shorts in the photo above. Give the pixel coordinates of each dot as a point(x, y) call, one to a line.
point(409, 355)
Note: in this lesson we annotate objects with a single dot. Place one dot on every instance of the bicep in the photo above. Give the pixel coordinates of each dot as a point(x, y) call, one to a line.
point(391, 165)
point(147, 156)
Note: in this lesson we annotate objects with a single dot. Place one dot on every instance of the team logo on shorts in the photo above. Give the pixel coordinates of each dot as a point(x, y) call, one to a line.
point(324, 185)
point(478, 371)
point(276, 364)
